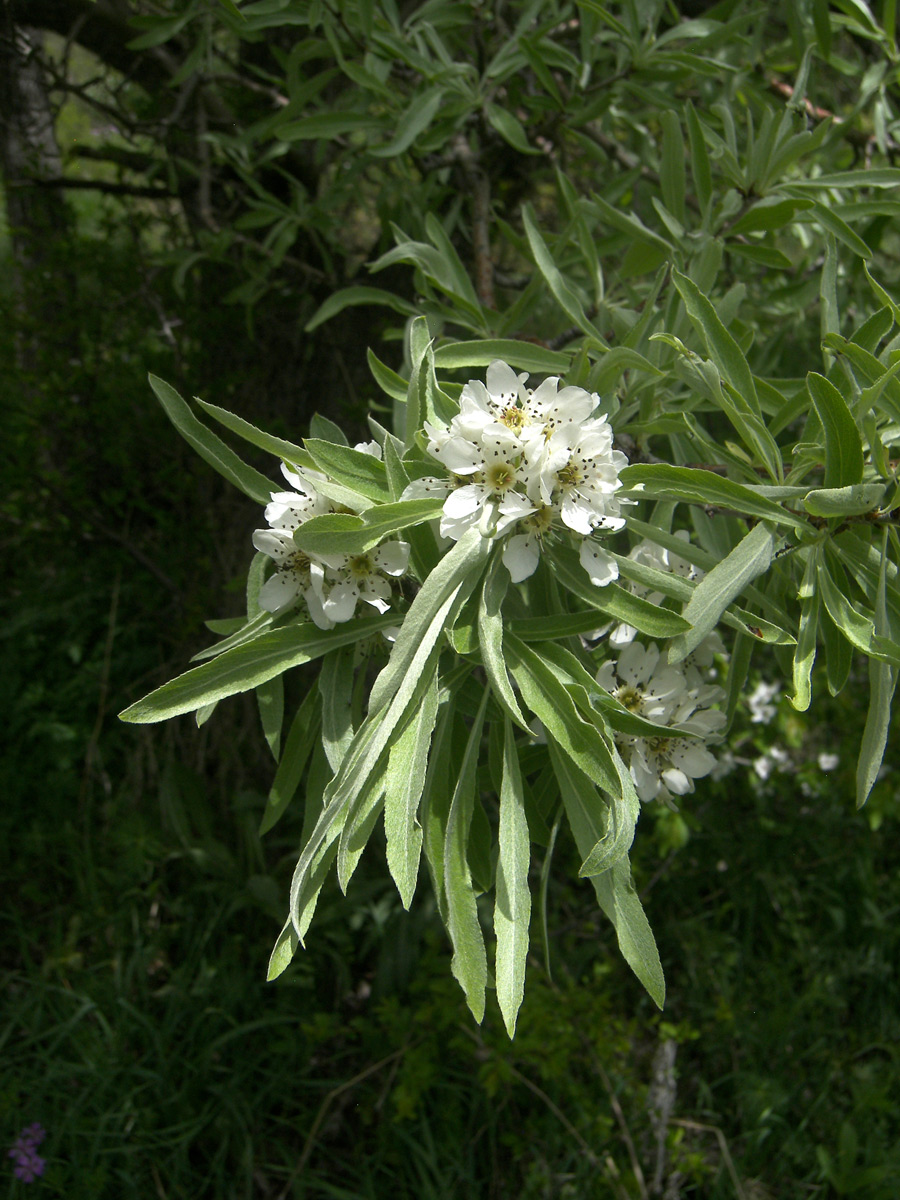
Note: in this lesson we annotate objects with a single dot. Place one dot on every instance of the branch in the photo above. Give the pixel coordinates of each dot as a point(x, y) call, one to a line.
point(98, 185)
point(99, 26)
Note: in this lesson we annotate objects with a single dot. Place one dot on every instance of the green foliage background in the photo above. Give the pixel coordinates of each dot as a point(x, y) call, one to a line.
point(135, 1025)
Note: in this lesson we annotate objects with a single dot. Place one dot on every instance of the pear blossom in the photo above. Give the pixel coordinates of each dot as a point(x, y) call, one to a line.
point(329, 584)
point(677, 699)
point(527, 465)
point(292, 578)
point(341, 580)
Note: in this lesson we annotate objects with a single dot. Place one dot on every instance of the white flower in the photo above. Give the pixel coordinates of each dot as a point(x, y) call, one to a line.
point(293, 576)
point(677, 700)
point(340, 580)
point(288, 510)
point(520, 459)
point(761, 710)
point(828, 762)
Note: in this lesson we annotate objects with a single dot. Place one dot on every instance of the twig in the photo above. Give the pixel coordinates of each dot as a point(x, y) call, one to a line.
point(94, 738)
point(620, 1118)
point(323, 1109)
point(97, 185)
point(723, 1146)
point(480, 188)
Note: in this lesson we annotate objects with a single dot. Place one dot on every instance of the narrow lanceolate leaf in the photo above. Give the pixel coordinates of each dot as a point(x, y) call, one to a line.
point(843, 444)
point(461, 565)
point(512, 906)
point(712, 595)
point(336, 689)
point(548, 699)
point(805, 652)
point(853, 621)
point(612, 600)
point(352, 296)
point(283, 951)
point(613, 820)
point(247, 666)
point(210, 447)
point(353, 784)
point(255, 437)
point(722, 348)
point(562, 293)
point(490, 638)
point(403, 785)
point(482, 352)
point(882, 683)
point(469, 963)
point(614, 889)
point(298, 747)
point(844, 501)
point(695, 485)
point(397, 690)
point(270, 701)
point(345, 533)
point(354, 468)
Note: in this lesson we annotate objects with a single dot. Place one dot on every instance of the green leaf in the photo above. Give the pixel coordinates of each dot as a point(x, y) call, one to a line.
point(404, 782)
point(671, 167)
point(248, 631)
point(700, 168)
point(612, 600)
point(490, 638)
point(287, 451)
point(750, 558)
point(843, 444)
point(344, 533)
point(270, 699)
point(469, 963)
point(882, 684)
point(509, 128)
point(512, 906)
point(455, 575)
point(248, 666)
point(362, 472)
point(325, 126)
point(553, 706)
point(353, 296)
point(854, 622)
point(210, 448)
point(414, 121)
point(482, 352)
point(389, 381)
point(282, 952)
point(298, 747)
point(774, 212)
point(845, 501)
point(403, 683)
point(614, 888)
point(834, 224)
point(805, 652)
point(721, 346)
point(694, 485)
point(559, 288)
point(887, 177)
point(335, 686)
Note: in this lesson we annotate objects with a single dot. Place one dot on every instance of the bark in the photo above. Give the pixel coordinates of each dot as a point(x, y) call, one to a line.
point(38, 217)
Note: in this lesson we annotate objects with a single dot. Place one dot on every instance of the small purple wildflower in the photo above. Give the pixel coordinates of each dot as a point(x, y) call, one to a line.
point(29, 1164)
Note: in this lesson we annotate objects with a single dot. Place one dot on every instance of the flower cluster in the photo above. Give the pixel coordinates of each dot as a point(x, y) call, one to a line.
point(29, 1164)
point(523, 463)
point(329, 584)
point(674, 697)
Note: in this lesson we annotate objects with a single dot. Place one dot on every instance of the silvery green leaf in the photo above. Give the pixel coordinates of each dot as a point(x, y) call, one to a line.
point(512, 905)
